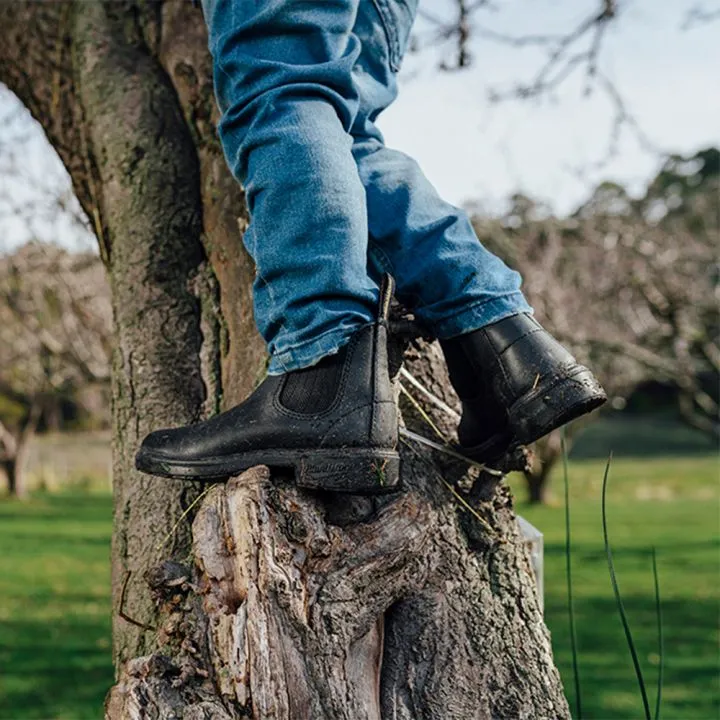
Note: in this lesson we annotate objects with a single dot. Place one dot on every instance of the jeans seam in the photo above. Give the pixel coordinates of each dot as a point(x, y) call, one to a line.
point(323, 351)
point(479, 304)
point(391, 34)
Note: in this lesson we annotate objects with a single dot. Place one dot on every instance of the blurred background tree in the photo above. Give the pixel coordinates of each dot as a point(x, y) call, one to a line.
point(55, 331)
point(631, 285)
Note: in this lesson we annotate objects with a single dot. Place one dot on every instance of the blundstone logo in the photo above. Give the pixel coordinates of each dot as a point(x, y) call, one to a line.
point(329, 468)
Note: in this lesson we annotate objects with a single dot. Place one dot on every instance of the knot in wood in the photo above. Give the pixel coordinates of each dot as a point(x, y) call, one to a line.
point(168, 579)
point(154, 665)
point(297, 528)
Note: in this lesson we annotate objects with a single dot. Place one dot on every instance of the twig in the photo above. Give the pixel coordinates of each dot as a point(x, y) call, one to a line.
point(699, 16)
point(121, 610)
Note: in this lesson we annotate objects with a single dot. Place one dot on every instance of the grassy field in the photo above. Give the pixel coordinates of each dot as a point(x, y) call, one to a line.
point(55, 606)
point(663, 491)
point(670, 504)
point(54, 580)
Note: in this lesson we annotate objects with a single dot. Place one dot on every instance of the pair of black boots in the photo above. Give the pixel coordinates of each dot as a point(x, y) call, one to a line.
point(336, 423)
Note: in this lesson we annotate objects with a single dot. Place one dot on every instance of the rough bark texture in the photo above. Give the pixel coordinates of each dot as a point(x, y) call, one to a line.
point(278, 604)
point(182, 51)
point(147, 168)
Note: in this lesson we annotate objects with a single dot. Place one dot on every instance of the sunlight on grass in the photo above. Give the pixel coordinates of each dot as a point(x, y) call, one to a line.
point(55, 612)
point(55, 659)
point(681, 519)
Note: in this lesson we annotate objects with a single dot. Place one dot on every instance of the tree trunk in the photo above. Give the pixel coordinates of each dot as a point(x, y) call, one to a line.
point(53, 414)
point(14, 470)
point(537, 485)
point(274, 603)
point(15, 450)
point(298, 605)
point(543, 458)
point(10, 470)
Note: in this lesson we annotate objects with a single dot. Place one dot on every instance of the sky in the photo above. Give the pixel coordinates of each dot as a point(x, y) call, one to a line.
point(474, 150)
point(478, 152)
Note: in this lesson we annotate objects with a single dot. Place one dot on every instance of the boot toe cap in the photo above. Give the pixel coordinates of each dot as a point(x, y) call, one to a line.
point(161, 441)
point(163, 445)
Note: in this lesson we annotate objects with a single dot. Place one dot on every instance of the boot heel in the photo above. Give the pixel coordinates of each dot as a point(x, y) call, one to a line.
point(350, 471)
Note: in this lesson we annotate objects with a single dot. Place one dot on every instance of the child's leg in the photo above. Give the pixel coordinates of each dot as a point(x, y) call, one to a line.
point(284, 83)
point(442, 271)
point(516, 382)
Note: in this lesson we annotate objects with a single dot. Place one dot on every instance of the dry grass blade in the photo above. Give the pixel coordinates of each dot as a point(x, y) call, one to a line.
point(185, 513)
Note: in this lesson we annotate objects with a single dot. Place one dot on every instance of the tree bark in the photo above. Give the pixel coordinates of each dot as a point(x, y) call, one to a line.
point(296, 605)
point(274, 603)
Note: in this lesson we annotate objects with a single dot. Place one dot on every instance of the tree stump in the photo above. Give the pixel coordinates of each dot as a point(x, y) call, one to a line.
point(299, 605)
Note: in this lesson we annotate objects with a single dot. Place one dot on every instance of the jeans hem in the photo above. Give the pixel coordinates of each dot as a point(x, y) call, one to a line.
point(311, 352)
point(478, 315)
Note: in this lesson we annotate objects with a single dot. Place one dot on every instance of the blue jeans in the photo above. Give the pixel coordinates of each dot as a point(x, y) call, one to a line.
point(300, 85)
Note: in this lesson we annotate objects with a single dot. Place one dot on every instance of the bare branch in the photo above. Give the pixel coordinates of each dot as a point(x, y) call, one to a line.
point(55, 320)
point(700, 15)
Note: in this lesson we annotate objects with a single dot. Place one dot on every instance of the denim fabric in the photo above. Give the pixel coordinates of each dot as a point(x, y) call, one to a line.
point(300, 85)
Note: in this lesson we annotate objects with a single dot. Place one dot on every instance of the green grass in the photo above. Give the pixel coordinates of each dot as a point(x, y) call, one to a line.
point(671, 503)
point(55, 604)
point(55, 607)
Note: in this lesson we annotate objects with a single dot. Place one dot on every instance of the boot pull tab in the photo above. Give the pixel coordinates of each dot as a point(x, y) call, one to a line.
point(387, 289)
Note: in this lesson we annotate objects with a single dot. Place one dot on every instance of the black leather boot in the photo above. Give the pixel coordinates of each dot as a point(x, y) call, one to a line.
point(335, 423)
point(517, 384)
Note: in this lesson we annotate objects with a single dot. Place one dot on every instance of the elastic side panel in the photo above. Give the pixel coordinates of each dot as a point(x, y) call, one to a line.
point(313, 390)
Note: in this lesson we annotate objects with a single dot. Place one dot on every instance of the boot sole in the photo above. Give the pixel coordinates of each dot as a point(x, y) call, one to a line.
point(546, 408)
point(353, 470)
